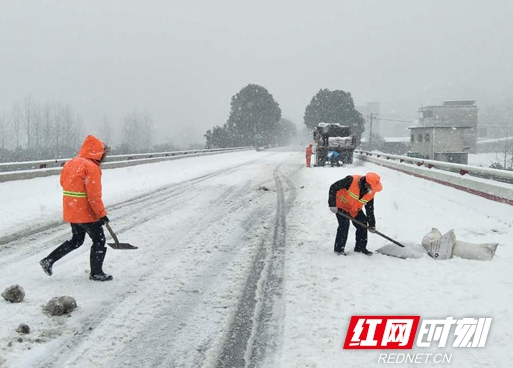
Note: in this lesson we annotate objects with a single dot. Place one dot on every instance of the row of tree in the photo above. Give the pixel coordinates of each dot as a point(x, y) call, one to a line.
point(255, 118)
point(34, 131)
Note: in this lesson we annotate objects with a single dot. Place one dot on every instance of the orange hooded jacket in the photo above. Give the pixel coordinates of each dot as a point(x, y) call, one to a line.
point(81, 184)
point(309, 151)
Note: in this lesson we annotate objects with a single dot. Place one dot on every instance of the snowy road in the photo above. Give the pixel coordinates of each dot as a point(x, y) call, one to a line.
point(235, 268)
point(176, 302)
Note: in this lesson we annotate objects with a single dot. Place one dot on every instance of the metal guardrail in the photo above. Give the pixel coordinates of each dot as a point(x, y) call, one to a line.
point(31, 169)
point(482, 172)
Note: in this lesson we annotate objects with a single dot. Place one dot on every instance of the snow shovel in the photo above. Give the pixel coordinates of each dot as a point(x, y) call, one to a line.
point(368, 227)
point(117, 244)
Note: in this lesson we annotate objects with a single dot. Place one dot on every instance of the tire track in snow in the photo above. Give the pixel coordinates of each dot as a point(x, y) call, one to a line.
point(253, 332)
point(269, 332)
point(176, 336)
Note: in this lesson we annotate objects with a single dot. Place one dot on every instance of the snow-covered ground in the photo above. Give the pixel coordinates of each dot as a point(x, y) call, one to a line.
point(240, 237)
point(484, 159)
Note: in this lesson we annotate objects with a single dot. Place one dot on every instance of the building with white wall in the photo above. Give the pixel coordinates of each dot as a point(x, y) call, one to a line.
point(442, 143)
point(454, 114)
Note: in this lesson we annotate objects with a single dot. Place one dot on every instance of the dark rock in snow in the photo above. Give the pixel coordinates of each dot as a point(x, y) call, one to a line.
point(14, 294)
point(60, 305)
point(263, 187)
point(24, 329)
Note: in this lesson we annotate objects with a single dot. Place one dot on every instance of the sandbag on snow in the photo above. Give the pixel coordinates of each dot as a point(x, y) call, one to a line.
point(446, 246)
point(439, 246)
point(409, 251)
point(433, 236)
point(480, 252)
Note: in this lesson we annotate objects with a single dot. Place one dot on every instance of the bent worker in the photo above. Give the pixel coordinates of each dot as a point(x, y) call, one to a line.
point(309, 153)
point(334, 158)
point(348, 196)
point(83, 207)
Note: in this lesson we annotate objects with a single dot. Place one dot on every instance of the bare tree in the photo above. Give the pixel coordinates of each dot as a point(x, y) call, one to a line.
point(67, 123)
point(504, 149)
point(69, 126)
point(27, 116)
point(107, 130)
point(148, 127)
point(57, 131)
point(3, 131)
point(137, 131)
point(47, 122)
point(16, 118)
point(37, 126)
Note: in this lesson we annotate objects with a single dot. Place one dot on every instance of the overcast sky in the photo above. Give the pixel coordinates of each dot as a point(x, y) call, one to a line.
point(183, 60)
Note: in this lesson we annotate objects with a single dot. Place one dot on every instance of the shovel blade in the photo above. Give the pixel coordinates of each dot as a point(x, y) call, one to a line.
point(122, 246)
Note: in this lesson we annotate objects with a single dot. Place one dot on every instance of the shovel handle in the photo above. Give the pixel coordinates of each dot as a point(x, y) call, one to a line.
point(368, 227)
point(112, 234)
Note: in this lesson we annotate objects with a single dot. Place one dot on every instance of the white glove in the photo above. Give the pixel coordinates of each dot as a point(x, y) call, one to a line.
point(334, 209)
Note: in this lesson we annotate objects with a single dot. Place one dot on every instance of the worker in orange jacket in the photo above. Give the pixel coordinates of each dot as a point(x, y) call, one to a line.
point(349, 196)
point(83, 207)
point(309, 153)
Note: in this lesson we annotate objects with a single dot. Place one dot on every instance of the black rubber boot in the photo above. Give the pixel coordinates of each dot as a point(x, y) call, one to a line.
point(47, 266)
point(101, 277)
point(340, 253)
point(338, 249)
point(63, 249)
point(97, 274)
point(364, 251)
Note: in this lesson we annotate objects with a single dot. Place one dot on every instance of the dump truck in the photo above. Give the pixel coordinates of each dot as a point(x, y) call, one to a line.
point(332, 139)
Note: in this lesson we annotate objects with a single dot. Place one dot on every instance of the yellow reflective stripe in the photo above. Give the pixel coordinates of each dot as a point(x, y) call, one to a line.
point(74, 194)
point(356, 197)
point(341, 197)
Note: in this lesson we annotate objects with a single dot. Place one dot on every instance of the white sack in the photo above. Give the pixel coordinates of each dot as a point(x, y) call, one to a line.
point(432, 237)
point(480, 252)
point(340, 141)
point(439, 247)
point(414, 251)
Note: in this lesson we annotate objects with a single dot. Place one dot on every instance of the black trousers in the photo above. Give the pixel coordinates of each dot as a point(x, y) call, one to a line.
point(343, 231)
point(79, 231)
